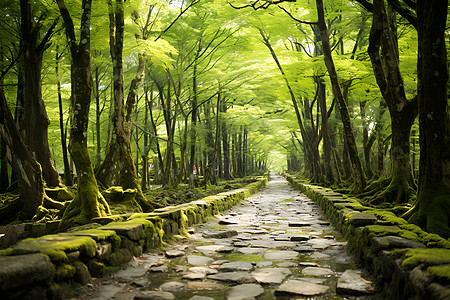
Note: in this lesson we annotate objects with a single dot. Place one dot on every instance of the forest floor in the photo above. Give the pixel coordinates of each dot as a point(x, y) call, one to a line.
point(276, 245)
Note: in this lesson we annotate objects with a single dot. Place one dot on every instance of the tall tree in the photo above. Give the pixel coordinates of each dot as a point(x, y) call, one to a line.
point(88, 202)
point(384, 55)
point(36, 125)
point(432, 207)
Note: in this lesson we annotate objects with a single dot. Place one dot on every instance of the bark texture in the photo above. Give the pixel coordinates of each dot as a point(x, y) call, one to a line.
point(432, 208)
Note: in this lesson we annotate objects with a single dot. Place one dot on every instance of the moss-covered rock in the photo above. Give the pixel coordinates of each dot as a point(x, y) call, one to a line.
point(56, 246)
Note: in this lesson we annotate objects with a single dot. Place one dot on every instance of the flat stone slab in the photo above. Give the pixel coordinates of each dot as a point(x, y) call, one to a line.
point(235, 266)
point(350, 282)
point(245, 291)
point(301, 287)
point(174, 253)
point(172, 286)
point(318, 255)
point(281, 255)
point(159, 269)
point(197, 260)
point(270, 275)
point(219, 234)
point(241, 243)
point(320, 243)
point(210, 249)
point(362, 219)
point(391, 242)
point(299, 237)
point(251, 251)
point(203, 285)
point(197, 297)
point(316, 271)
point(287, 264)
point(203, 270)
point(132, 231)
point(236, 277)
point(131, 272)
point(194, 276)
point(154, 295)
point(21, 270)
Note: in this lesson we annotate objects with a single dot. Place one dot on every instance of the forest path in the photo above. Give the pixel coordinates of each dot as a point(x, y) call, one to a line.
point(276, 244)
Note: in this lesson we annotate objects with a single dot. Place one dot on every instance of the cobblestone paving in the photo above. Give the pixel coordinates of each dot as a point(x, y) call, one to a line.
point(275, 245)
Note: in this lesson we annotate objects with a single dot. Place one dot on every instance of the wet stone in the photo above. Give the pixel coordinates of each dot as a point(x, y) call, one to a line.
point(287, 264)
point(210, 249)
point(241, 243)
point(174, 253)
point(299, 237)
point(159, 269)
point(219, 234)
point(264, 264)
point(173, 286)
point(251, 251)
point(194, 276)
point(350, 282)
point(300, 287)
point(203, 285)
point(236, 277)
point(303, 249)
point(236, 266)
point(197, 260)
point(281, 255)
point(318, 255)
point(316, 271)
point(154, 295)
point(203, 270)
point(245, 291)
point(196, 297)
point(362, 219)
point(270, 275)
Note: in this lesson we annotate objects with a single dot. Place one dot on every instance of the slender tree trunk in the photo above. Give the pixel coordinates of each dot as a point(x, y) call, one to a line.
point(88, 203)
point(118, 167)
point(67, 170)
point(357, 171)
point(226, 146)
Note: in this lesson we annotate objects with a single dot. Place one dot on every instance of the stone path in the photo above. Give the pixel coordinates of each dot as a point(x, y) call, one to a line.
point(275, 245)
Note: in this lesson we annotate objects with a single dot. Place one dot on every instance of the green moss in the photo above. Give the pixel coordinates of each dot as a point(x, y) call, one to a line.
point(243, 257)
point(101, 235)
point(439, 272)
point(65, 272)
point(381, 230)
point(288, 200)
point(6, 252)
point(56, 246)
point(419, 256)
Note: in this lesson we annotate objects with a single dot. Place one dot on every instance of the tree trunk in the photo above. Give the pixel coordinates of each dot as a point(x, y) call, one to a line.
point(225, 146)
point(88, 203)
point(67, 170)
point(331, 170)
point(36, 125)
point(25, 166)
point(402, 111)
point(357, 171)
point(118, 167)
point(431, 210)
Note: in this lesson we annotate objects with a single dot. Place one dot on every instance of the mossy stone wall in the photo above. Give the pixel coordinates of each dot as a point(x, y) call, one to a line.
point(62, 261)
point(407, 262)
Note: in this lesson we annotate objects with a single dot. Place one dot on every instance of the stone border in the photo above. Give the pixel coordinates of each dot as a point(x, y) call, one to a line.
point(407, 262)
point(53, 266)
